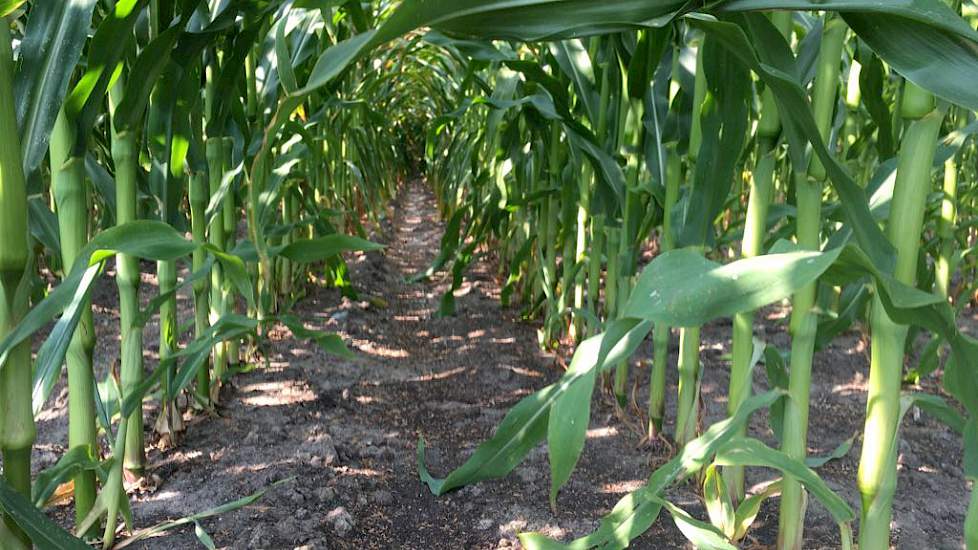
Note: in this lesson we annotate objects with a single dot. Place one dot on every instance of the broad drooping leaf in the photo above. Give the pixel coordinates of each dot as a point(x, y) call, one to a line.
point(703, 535)
point(924, 40)
point(329, 342)
point(322, 248)
point(52, 44)
point(635, 513)
point(519, 20)
point(52, 352)
point(899, 31)
point(908, 305)
point(194, 356)
point(142, 79)
point(744, 451)
point(526, 424)
point(570, 413)
point(682, 288)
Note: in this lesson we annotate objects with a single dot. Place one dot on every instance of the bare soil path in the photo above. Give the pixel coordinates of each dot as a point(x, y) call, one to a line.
point(348, 431)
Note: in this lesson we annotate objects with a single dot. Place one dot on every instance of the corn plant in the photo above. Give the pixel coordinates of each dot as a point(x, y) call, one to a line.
point(760, 151)
point(154, 132)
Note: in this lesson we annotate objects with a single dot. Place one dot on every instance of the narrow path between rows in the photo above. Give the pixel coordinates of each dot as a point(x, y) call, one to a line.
point(348, 430)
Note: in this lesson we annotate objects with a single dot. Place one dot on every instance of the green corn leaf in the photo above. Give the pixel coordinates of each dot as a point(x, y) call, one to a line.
point(146, 314)
point(76, 460)
point(748, 509)
point(573, 59)
point(929, 361)
point(473, 49)
point(937, 407)
point(526, 424)
point(682, 288)
point(103, 185)
point(323, 248)
point(777, 377)
point(852, 305)
point(203, 537)
point(910, 306)
point(724, 120)
point(635, 512)
point(142, 79)
point(520, 20)
point(195, 355)
point(150, 240)
point(570, 414)
point(51, 355)
point(768, 55)
point(871, 80)
point(744, 451)
point(44, 533)
point(113, 36)
point(236, 272)
point(53, 42)
point(837, 453)
point(44, 225)
point(703, 535)
point(286, 74)
point(135, 396)
point(232, 69)
point(607, 169)
point(9, 6)
point(331, 343)
point(719, 506)
point(924, 40)
point(146, 239)
point(217, 199)
point(537, 20)
point(47, 366)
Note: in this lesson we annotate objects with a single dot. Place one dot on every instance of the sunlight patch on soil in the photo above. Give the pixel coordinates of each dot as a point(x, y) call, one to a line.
point(373, 348)
point(622, 487)
point(278, 393)
point(856, 385)
point(164, 495)
point(524, 372)
point(438, 376)
point(47, 415)
point(607, 431)
point(407, 318)
point(358, 472)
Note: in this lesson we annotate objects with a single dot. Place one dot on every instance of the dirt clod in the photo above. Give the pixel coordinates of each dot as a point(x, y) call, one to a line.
point(340, 520)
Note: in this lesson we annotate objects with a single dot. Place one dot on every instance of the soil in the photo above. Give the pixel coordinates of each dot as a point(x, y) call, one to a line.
point(344, 433)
